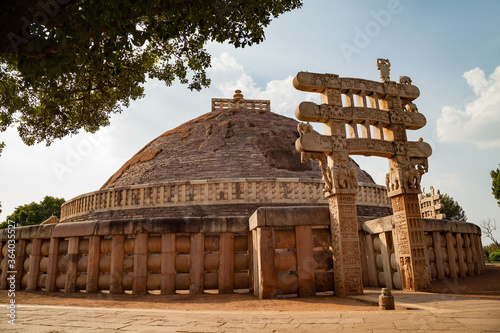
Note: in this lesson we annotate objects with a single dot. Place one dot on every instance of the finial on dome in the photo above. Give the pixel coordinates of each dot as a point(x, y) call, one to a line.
point(238, 95)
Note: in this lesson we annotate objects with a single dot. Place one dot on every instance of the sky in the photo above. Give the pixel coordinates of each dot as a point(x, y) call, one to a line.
point(450, 49)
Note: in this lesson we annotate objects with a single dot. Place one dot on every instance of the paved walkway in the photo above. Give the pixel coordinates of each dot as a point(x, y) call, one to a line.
point(415, 312)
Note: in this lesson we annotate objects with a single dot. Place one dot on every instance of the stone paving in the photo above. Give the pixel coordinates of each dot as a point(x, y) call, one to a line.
point(414, 312)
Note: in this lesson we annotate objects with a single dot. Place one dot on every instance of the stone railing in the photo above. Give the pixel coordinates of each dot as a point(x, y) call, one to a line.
point(213, 192)
point(277, 251)
point(453, 249)
point(222, 104)
point(166, 255)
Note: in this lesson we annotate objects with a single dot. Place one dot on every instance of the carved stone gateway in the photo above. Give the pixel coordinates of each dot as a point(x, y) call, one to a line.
point(367, 118)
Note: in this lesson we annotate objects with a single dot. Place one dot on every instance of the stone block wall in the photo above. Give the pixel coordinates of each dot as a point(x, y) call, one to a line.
point(453, 249)
point(137, 255)
point(292, 251)
point(278, 251)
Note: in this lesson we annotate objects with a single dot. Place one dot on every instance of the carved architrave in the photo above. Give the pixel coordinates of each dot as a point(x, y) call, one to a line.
point(308, 111)
point(370, 147)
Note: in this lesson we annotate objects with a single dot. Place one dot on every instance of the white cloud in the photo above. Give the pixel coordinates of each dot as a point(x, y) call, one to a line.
point(228, 75)
point(477, 120)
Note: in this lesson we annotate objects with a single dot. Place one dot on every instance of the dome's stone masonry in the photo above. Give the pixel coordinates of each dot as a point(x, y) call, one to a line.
point(222, 144)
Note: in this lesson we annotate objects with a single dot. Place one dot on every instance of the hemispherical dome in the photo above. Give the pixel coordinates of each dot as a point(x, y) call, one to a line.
point(227, 162)
point(238, 143)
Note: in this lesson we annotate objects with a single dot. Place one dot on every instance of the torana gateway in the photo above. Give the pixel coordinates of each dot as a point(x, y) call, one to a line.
point(234, 201)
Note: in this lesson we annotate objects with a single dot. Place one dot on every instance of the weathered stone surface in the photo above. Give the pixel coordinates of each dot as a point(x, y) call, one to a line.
point(75, 229)
point(220, 143)
point(280, 216)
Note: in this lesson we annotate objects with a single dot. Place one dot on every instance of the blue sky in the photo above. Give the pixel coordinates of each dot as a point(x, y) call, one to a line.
point(434, 43)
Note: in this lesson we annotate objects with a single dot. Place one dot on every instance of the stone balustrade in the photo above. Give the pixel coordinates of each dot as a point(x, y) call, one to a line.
point(278, 251)
point(452, 249)
point(213, 192)
point(165, 255)
point(222, 104)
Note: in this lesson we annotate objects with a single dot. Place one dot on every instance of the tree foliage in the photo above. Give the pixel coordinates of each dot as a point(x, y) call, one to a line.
point(35, 213)
point(69, 64)
point(452, 209)
point(495, 184)
point(495, 256)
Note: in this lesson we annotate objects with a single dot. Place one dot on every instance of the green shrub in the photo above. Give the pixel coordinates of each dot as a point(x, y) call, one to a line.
point(495, 256)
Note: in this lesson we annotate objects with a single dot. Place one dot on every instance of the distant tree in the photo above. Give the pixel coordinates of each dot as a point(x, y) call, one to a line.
point(68, 65)
point(488, 227)
point(35, 213)
point(452, 209)
point(495, 184)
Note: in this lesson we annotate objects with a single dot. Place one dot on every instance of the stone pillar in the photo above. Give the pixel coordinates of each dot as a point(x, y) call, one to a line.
point(116, 271)
point(345, 244)
point(468, 252)
point(71, 269)
point(265, 278)
point(52, 266)
point(5, 269)
point(305, 260)
point(451, 255)
point(168, 253)
point(19, 266)
point(250, 262)
point(35, 258)
point(93, 264)
point(480, 250)
point(436, 235)
point(476, 258)
point(139, 285)
point(410, 242)
point(226, 263)
point(197, 268)
point(364, 264)
point(370, 261)
point(386, 261)
point(461, 255)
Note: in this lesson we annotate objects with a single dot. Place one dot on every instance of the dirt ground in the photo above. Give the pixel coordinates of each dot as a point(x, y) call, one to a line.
point(486, 285)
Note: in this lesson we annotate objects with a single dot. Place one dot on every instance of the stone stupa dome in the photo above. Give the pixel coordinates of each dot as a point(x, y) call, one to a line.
point(228, 162)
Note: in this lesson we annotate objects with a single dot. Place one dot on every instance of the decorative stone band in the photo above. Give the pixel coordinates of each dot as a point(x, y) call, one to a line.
point(308, 111)
point(214, 192)
point(313, 82)
point(221, 104)
point(361, 146)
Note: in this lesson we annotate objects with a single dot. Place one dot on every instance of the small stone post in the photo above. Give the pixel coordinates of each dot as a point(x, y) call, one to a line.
point(386, 300)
